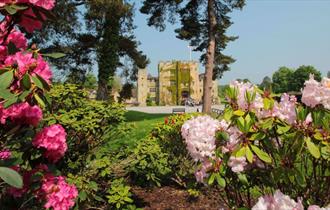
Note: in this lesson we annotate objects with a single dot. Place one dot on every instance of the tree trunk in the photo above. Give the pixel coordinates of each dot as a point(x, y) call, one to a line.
point(107, 55)
point(207, 86)
point(102, 91)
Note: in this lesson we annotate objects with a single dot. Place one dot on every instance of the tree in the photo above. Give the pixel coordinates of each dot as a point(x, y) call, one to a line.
point(100, 35)
point(299, 77)
point(281, 80)
point(126, 92)
point(204, 25)
point(266, 83)
point(328, 74)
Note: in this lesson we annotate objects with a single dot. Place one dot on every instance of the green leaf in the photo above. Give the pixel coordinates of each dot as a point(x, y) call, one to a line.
point(11, 177)
point(82, 195)
point(283, 129)
point(257, 136)
point(239, 112)
point(211, 179)
point(6, 94)
point(241, 152)
point(26, 82)
point(313, 149)
point(267, 123)
point(261, 154)
point(6, 79)
point(249, 154)
point(23, 95)
point(300, 177)
point(9, 102)
point(54, 55)
point(242, 178)
point(39, 100)
point(19, 7)
point(221, 181)
point(37, 82)
point(10, 9)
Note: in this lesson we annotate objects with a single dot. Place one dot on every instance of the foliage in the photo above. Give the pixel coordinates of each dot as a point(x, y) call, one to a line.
point(281, 80)
point(90, 81)
point(263, 145)
point(94, 33)
point(88, 121)
point(119, 195)
point(266, 84)
point(300, 75)
point(126, 92)
point(287, 80)
point(150, 163)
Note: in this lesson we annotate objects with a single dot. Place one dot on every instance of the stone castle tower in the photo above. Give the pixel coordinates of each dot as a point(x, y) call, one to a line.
point(177, 81)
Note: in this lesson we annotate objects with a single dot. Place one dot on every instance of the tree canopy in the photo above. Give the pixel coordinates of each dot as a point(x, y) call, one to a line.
point(94, 33)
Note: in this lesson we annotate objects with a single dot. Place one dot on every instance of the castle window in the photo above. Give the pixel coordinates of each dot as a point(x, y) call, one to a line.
point(173, 82)
point(152, 90)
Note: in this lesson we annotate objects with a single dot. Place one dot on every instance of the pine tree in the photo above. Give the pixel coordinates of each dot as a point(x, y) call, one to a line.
point(204, 24)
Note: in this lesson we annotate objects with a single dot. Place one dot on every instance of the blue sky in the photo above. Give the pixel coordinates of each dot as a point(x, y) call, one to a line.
point(272, 33)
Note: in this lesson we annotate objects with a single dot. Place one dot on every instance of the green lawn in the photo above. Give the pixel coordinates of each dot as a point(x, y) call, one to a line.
point(142, 124)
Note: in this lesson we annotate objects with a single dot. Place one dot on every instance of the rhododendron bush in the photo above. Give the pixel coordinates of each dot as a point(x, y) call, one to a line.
point(29, 148)
point(266, 143)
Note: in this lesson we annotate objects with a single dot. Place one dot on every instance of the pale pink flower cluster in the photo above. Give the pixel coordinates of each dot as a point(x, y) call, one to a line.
point(315, 93)
point(243, 89)
point(286, 109)
point(59, 195)
point(278, 201)
point(5, 154)
point(237, 164)
point(233, 141)
point(199, 134)
point(53, 140)
point(21, 113)
point(202, 173)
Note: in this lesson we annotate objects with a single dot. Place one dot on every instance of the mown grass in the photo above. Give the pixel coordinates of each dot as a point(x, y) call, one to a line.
point(141, 125)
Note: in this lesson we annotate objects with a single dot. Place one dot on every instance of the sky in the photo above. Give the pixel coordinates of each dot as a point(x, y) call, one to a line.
point(272, 33)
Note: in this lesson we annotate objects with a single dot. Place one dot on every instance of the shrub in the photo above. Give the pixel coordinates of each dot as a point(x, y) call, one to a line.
point(262, 145)
point(149, 163)
point(29, 149)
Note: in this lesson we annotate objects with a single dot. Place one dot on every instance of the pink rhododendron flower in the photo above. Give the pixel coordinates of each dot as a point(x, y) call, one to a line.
point(4, 2)
point(58, 194)
point(46, 4)
point(199, 134)
point(325, 83)
point(26, 63)
point(315, 207)
point(243, 89)
point(52, 139)
point(18, 39)
point(234, 139)
point(23, 113)
point(5, 154)
point(276, 202)
point(286, 109)
point(237, 164)
point(312, 92)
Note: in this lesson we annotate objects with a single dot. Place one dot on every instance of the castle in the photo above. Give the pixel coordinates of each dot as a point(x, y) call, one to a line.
point(177, 81)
